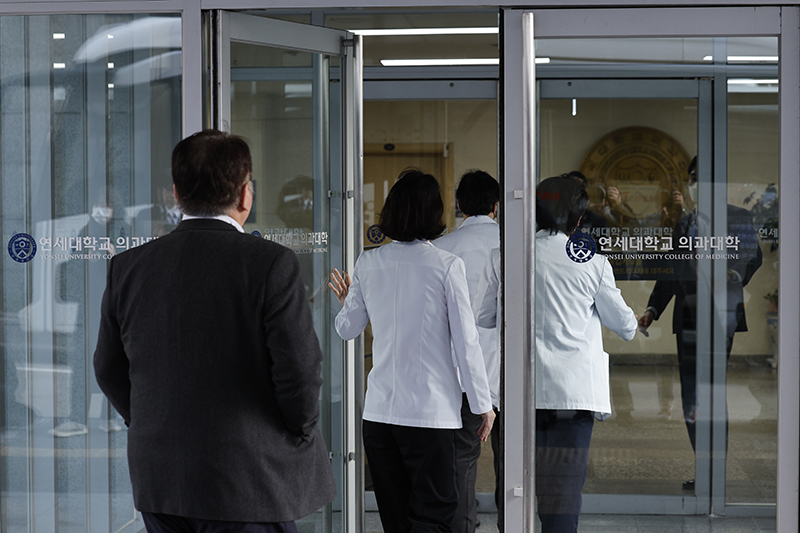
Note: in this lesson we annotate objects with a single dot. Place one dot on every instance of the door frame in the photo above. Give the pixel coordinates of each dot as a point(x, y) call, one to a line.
point(518, 29)
point(346, 154)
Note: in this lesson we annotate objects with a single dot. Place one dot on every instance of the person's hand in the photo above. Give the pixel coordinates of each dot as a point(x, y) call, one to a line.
point(613, 196)
point(644, 322)
point(486, 427)
point(340, 285)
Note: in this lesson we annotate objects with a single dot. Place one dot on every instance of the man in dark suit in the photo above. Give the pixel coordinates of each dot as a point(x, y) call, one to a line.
point(741, 266)
point(207, 350)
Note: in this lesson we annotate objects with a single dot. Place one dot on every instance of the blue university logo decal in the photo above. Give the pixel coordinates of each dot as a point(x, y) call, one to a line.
point(256, 233)
point(21, 247)
point(375, 235)
point(581, 247)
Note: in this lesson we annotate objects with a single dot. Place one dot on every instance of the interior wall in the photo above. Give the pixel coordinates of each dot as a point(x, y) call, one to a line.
point(468, 126)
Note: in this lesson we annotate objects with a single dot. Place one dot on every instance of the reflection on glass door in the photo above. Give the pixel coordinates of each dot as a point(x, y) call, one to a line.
point(87, 131)
point(282, 88)
point(636, 167)
point(692, 242)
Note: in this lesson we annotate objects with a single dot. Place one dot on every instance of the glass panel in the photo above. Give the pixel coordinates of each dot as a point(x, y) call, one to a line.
point(634, 154)
point(91, 107)
point(280, 102)
point(702, 259)
point(753, 184)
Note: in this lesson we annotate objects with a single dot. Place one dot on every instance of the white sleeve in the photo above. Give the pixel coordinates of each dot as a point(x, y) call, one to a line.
point(464, 336)
point(614, 312)
point(353, 317)
point(485, 305)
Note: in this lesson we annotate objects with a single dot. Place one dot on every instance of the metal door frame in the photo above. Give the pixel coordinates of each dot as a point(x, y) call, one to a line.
point(346, 96)
point(519, 28)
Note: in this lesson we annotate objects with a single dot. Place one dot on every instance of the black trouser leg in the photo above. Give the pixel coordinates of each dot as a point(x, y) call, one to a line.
point(562, 455)
point(468, 450)
point(497, 430)
point(414, 476)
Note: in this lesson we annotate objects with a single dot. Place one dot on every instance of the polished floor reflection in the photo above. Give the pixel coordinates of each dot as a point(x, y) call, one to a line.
point(644, 448)
point(633, 524)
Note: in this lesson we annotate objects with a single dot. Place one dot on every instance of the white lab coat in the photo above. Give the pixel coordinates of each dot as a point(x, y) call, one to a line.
point(473, 241)
point(416, 297)
point(572, 301)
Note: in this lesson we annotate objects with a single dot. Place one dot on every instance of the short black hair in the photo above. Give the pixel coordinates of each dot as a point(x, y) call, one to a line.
point(208, 170)
point(414, 208)
point(477, 193)
point(692, 165)
point(560, 203)
point(578, 175)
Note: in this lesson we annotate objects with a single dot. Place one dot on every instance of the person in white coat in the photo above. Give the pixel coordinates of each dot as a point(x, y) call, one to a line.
point(478, 195)
point(416, 297)
point(575, 295)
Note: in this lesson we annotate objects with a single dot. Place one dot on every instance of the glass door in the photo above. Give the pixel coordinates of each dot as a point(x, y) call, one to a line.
point(291, 90)
point(665, 143)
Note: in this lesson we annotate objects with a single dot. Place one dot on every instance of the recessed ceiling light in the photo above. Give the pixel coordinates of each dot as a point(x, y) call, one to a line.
point(748, 59)
point(59, 65)
point(59, 36)
point(449, 62)
point(426, 31)
point(438, 62)
point(751, 82)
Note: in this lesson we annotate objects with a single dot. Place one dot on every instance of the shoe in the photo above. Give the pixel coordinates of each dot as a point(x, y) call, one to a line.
point(688, 485)
point(69, 429)
point(110, 426)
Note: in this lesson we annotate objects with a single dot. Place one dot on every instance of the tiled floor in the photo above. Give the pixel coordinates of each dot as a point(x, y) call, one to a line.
point(644, 448)
point(634, 524)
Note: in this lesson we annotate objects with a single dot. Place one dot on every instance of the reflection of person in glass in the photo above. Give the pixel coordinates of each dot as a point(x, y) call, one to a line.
point(672, 207)
point(575, 296)
point(741, 264)
point(296, 203)
point(592, 218)
point(163, 216)
point(416, 297)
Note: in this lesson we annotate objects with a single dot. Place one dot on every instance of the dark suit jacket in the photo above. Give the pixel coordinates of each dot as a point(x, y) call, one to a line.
point(207, 349)
point(683, 286)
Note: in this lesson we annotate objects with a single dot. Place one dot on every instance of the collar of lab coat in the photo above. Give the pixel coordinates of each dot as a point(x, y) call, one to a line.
point(477, 219)
point(545, 233)
point(415, 241)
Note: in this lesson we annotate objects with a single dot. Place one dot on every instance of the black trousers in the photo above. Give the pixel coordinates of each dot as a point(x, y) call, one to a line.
point(165, 523)
point(562, 455)
point(468, 450)
point(687, 366)
point(497, 430)
point(414, 476)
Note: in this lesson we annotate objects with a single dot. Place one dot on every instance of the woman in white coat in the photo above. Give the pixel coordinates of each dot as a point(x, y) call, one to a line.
point(575, 296)
point(416, 297)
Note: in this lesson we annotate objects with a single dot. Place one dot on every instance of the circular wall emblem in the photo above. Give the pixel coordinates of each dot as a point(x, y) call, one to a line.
point(646, 165)
point(581, 247)
point(21, 247)
point(375, 235)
